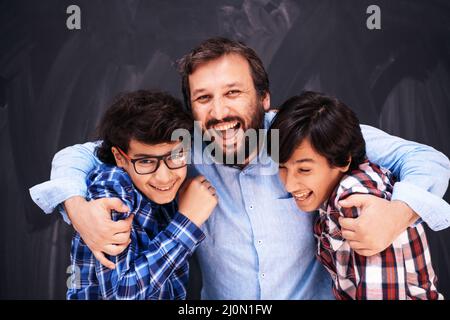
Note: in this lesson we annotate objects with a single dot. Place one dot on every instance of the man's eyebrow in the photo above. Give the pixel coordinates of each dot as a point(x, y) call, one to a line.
point(304, 160)
point(197, 91)
point(233, 84)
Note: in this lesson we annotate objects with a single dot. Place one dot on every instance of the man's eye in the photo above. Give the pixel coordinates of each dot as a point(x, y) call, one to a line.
point(233, 93)
point(304, 170)
point(204, 98)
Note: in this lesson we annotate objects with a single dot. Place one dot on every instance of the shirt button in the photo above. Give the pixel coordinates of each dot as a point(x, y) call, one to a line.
point(263, 275)
point(259, 241)
point(251, 207)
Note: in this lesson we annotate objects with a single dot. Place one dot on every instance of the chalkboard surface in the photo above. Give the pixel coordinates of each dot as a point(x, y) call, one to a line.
point(56, 82)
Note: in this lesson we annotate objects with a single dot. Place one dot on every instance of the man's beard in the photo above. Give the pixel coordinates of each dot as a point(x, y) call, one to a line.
point(239, 156)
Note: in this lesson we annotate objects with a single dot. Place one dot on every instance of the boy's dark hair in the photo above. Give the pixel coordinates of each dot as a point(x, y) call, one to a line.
point(331, 127)
point(149, 117)
point(215, 48)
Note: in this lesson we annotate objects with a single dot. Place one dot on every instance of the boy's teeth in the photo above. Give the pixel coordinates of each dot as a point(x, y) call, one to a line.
point(162, 189)
point(302, 195)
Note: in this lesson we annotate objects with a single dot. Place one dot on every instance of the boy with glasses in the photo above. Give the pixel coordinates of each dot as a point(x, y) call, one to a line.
point(144, 168)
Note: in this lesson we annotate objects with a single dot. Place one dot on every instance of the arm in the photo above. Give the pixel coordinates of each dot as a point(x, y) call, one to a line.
point(70, 168)
point(423, 173)
point(142, 275)
point(147, 263)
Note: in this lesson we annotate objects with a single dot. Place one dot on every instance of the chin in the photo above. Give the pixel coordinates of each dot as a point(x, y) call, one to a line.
point(161, 199)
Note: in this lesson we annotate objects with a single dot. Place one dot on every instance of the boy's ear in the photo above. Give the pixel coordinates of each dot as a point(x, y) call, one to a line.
point(120, 161)
point(266, 101)
point(349, 162)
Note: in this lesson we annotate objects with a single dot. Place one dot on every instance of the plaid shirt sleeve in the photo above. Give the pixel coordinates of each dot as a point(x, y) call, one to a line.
point(402, 271)
point(140, 274)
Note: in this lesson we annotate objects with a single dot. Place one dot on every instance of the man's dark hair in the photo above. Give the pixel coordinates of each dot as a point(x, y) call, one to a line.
point(149, 117)
point(213, 49)
point(331, 127)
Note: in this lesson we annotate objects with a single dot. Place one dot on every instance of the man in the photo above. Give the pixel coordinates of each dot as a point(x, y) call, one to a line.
point(258, 244)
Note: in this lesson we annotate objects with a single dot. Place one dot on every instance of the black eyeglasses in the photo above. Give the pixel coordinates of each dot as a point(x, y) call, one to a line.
point(147, 165)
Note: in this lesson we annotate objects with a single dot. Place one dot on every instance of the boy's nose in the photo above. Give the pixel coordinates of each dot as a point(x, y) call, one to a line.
point(163, 174)
point(289, 181)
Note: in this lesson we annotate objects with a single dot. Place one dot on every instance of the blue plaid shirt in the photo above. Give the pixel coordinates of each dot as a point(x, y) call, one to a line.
point(154, 265)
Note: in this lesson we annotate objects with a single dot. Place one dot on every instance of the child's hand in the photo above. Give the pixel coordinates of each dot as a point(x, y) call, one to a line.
point(197, 200)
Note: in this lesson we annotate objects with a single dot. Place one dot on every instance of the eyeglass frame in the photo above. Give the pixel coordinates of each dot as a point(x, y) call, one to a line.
point(159, 158)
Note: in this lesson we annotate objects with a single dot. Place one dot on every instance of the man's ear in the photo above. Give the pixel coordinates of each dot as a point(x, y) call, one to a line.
point(266, 101)
point(120, 161)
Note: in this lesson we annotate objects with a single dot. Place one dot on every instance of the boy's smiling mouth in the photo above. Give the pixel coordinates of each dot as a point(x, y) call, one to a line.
point(302, 196)
point(164, 188)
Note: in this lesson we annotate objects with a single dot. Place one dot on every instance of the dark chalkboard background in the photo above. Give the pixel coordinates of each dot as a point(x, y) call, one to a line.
point(55, 83)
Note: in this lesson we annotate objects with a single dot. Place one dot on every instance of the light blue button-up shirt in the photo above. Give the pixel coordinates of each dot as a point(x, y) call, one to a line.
point(258, 244)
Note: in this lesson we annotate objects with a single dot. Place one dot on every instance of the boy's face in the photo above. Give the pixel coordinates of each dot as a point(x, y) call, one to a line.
point(160, 186)
point(308, 176)
point(224, 99)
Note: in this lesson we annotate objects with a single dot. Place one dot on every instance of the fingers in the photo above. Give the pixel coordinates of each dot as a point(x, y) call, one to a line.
point(210, 188)
point(120, 226)
point(121, 238)
point(349, 235)
point(114, 250)
point(356, 245)
point(356, 200)
point(100, 256)
point(114, 204)
point(349, 224)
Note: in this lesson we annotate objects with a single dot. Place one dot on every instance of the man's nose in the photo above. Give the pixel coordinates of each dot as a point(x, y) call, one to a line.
point(219, 110)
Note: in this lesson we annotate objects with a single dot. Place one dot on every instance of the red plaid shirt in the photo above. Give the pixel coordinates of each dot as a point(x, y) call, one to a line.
point(402, 271)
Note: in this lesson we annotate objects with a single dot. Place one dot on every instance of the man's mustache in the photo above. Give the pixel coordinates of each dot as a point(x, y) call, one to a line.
point(213, 122)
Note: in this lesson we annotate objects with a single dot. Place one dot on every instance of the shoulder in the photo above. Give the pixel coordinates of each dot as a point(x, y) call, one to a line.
point(368, 178)
point(106, 172)
point(268, 117)
point(107, 181)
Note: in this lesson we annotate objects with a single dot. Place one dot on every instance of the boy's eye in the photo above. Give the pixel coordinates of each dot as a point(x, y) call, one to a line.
point(304, 170)
point(146, 162)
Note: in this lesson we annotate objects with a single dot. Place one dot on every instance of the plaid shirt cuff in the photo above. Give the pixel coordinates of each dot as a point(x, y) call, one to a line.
point(185, 232)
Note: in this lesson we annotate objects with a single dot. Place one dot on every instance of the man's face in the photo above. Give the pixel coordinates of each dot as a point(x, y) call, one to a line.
point(225, 101)
point(308, 176)
point(160, 186)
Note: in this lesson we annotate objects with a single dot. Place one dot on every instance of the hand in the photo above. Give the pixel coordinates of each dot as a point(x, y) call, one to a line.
point(92, 220)
point(197, 200)
point(380, 223)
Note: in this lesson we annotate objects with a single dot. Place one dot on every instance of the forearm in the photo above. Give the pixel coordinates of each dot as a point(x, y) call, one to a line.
point(423, 173)
point(70, 167)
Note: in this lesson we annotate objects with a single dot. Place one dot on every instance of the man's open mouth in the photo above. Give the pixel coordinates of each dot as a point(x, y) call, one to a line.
point(227, 131)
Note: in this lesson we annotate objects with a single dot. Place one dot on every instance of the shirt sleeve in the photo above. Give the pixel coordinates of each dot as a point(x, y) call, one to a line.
point(422, 171)
point(146, 264)
point(70, 167)
point(139, 275)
